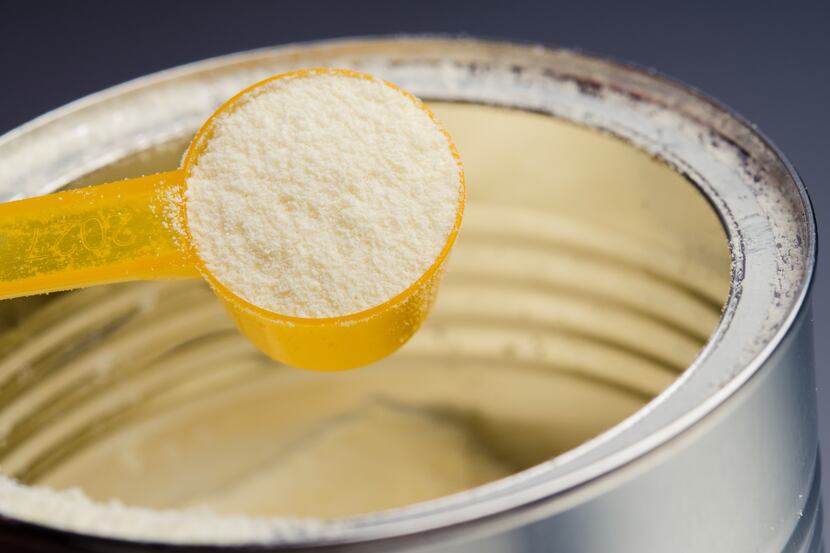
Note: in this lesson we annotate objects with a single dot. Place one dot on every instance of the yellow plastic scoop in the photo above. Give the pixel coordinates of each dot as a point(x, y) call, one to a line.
point(137, 229)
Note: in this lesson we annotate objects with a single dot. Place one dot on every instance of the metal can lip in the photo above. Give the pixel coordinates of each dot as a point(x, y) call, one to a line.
point(731, 162)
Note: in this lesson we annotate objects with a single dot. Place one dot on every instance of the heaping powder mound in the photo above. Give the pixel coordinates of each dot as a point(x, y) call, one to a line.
point(323, 195)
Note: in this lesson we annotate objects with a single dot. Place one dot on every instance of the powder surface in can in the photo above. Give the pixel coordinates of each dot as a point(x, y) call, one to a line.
point(323, 195)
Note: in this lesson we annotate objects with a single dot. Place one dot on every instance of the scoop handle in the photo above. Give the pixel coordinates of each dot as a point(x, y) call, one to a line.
point(124, 230)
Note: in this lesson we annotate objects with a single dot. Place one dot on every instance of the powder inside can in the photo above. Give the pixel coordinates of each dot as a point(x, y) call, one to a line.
point(323, 195)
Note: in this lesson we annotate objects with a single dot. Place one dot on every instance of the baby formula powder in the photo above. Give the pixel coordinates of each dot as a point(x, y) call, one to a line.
point(325, 194)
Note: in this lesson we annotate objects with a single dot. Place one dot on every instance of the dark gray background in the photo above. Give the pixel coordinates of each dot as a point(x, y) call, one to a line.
point(770, 61)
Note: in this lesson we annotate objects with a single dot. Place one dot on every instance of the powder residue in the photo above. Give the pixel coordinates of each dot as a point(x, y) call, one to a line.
point(73, 510)
point(397, 454)
point(323, 195)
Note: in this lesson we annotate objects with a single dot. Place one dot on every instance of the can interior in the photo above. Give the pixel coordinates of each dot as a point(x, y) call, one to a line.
point(587, 277)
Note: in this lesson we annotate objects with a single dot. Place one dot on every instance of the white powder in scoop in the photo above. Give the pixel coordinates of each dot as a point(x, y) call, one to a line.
point(323, 195)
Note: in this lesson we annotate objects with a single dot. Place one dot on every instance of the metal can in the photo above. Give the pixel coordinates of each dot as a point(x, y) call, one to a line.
point(707, 228)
